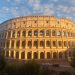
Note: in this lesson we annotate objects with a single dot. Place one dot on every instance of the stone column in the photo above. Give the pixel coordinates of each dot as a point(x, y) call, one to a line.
point(51, 55)
point(14, 43)
point(10, 44)
point(56, 44)
point(15, 34)
point(32, 55)
point(11, 34)
point(45, 55)
point(21, 34)
point(38, 43)
point(19, 54)
point(25, 55)
point(45, 43)
point(26, 43)
point(20, 44)
point(14, 54)
point(38, 55)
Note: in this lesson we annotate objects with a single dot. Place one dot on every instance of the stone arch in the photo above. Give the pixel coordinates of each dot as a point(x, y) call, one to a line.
point(54, 55)
point(48, 55)
point(18, 43)
point(60, 55)
point(29, 55)
point(42, 55)
point(12, 54)
point(22, 55)
point(35, 55)
point(23, 44)
point(17, 55)
point(7, 53)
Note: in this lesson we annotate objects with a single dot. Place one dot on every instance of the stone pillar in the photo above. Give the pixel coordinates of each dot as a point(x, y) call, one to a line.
point(44, 33)
point(15, 34)
point(32, 55)
point(38, 55)
point(51, 55)
point(14, 54)
point(27, 33)
point(45, 43)
point(38, 43)
point(21, 34)
point(19, 54)
point(20, 44)
point(10, 44)
point(26, 43)
point(45, 55)
point(25, 55)
point(14, 43)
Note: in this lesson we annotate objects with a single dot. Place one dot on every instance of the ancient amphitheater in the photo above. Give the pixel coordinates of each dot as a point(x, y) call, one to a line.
point(37, 37)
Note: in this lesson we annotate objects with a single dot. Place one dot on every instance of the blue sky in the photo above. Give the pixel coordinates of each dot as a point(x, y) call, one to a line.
point(15, 8)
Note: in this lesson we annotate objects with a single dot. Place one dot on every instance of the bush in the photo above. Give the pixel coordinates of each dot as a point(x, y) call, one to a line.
point(29, 68)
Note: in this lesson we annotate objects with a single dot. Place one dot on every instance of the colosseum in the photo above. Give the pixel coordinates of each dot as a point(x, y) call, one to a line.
point(37, 37)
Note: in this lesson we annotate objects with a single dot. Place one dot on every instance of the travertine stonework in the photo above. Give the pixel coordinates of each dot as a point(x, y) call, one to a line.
point(37, 37)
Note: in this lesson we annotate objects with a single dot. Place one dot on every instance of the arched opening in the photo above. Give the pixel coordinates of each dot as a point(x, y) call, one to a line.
point(24, 33)
point(60, 55)
point(30, 33)
point(18, 43)
point(42, 43)
point(35, 55)
point(29, 55)
point(18, 34)
point(17, 55)
point(12, 54)
point(12, 44)
point(36, 43)
point(23, 44)
point(7, 53)
point(53, 33)
point(7, 44)
point(48, 55)
point(54, 55)
point(42, 55)
point(29, 43)
point(23, 55)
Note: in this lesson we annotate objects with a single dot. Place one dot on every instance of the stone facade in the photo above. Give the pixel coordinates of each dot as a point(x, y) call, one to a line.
point(37, 37)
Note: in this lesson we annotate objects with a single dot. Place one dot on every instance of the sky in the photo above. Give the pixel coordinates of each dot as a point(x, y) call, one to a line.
point(14, 8)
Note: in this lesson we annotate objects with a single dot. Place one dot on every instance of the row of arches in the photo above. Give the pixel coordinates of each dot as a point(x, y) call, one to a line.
point(36, 43)
point(36, 55)
point(42, 32)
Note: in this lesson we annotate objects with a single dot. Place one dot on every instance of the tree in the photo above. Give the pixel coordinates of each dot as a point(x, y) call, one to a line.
point(73, 58)
point(2, 64)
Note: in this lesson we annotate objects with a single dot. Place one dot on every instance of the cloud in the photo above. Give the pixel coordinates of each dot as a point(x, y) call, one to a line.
point(4, 10)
